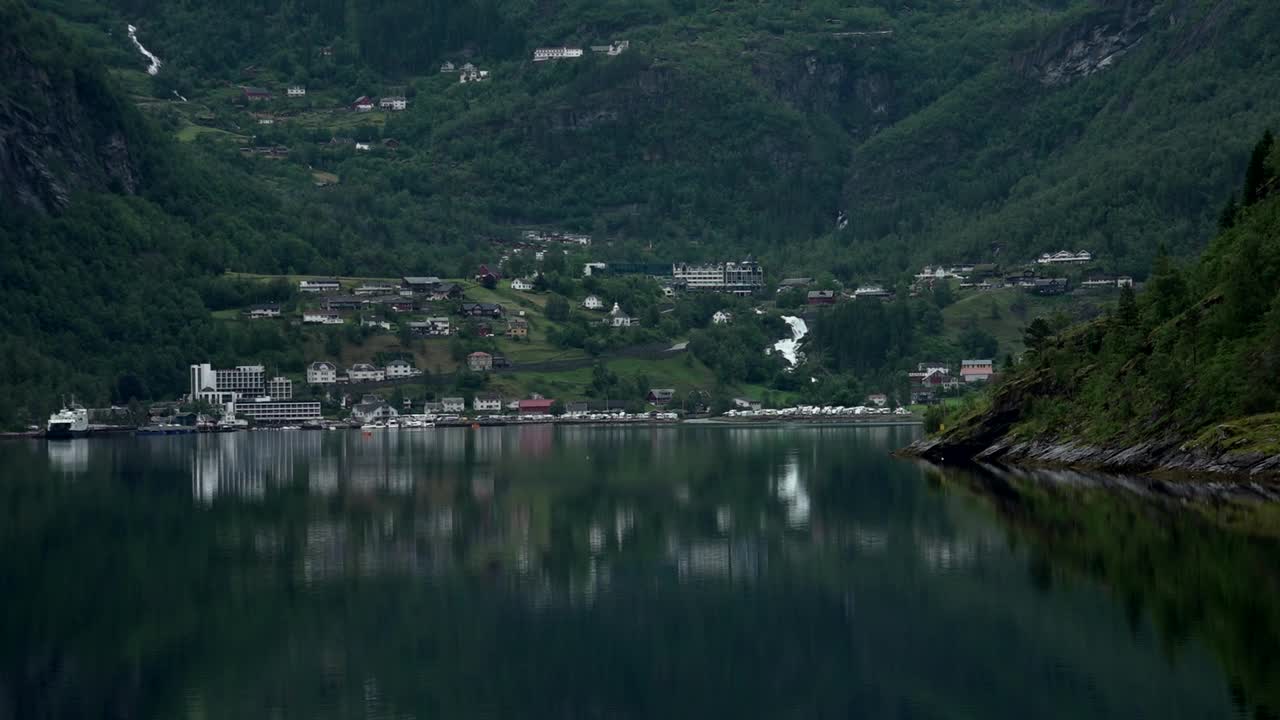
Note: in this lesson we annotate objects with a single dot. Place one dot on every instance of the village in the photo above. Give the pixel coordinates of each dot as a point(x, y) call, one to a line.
point(488, 307)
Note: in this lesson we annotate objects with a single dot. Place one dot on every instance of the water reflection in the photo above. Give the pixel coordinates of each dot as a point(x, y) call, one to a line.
point(612, 572)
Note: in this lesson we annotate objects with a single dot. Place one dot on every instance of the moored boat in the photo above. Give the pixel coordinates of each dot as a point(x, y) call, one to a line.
point(70, 422)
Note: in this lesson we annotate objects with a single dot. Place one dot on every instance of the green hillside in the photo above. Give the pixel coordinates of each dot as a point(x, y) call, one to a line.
point(940, 129)
point(1189, 362)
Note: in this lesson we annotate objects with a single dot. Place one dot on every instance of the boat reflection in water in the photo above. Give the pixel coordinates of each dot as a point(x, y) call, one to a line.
point(546, 571)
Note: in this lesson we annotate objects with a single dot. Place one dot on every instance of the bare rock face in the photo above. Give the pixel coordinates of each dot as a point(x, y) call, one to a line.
point(862, 98)
point(59, 133)
point(1090, 46)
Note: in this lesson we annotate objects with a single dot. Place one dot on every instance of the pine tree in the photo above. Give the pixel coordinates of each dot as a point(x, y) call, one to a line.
point(1258, 174)
point(1227, 219)
point(1128, 310)
point(1037, 335)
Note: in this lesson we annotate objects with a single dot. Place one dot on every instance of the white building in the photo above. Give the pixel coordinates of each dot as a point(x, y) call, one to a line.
point(617, 318)
point(448, 67)
point(373, 408)
point(471, 73)
point(364, 372)
point(614, 48)
point(1065, 257)
point(556, 53)
point(453, 404)
point(223, 386)
point(296, 91)
point(321, 317)
point(315, 286)
point(741, 278)
point(280, 388)
point(870, 291)
point(522, 284)
point(592, 302)
point(258, 312)
point(322, 373)
point(270, 411)
point(394, 103)
point(487, 403)
point(722, 317)
point(591, 267)
point(977, 370)
point(397, 369)
point(376, 289)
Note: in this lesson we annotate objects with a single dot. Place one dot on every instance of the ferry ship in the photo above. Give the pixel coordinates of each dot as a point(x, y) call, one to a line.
point(69, 422)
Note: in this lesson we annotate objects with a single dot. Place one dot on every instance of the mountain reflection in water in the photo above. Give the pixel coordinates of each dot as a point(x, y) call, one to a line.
point(611, 572)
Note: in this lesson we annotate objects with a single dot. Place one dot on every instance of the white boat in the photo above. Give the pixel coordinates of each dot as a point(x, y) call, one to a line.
point(69, 422)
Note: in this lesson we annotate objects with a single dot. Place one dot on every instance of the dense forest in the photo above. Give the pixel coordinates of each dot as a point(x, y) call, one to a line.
point(1198, 348)
point(953, 132)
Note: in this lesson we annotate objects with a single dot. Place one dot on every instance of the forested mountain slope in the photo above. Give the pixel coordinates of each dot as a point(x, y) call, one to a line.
point(1181, 377)
point(940, 129)
point(105, 230)
point(943, 131)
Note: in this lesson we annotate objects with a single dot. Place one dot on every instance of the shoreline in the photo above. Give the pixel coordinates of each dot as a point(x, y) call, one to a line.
point(480, 424)
point(1170, 461)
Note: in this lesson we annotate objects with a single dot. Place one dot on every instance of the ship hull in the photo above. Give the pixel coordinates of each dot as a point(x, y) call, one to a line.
point(55, 432)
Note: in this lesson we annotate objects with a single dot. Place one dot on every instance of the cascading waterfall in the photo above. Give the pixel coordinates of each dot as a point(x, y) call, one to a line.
point(154, 61)
point(789, 348)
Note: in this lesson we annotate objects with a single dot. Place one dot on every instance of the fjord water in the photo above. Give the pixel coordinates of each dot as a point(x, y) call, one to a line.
point(608, 572)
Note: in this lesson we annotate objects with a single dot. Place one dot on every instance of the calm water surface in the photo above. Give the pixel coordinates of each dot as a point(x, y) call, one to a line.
point(542, 572)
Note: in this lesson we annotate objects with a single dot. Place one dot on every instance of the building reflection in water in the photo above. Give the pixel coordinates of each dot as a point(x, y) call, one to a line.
point(507, 501)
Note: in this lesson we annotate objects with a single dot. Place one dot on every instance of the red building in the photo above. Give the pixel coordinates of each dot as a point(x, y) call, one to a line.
point(539, 406)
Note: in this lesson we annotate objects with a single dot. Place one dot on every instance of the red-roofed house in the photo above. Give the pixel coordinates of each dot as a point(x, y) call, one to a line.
point(540, 406)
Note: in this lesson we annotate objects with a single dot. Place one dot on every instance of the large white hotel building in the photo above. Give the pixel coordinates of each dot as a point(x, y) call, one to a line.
point(246, 390)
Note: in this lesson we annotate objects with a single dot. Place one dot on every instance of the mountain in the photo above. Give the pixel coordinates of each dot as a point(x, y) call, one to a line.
point(943, 130)
point(1179, 378)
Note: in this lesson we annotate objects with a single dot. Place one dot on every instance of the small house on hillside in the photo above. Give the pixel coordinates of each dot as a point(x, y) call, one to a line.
point(722, 317)
point(259, 312)
point(394, 103)
point(364, 372)
point(480, 362)
point(296, 91)
point(397, 369)
point(660, 396)
point(592, 302)
point(453, 405)
point(518, 328)
point(482, 310)
point(364, 103)
point(977, 370)
point(321, 285)
point(618, 318)
point(322, 373)
point(256, 94)
point(821, 297)
point(321, 317)
point(522, 284)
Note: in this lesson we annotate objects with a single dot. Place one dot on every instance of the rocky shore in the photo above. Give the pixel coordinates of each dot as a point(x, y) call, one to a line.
point(991, 437)
point(1171, 456)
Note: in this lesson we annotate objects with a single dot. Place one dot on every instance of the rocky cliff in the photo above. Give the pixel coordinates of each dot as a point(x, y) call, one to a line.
point(993, 436)
point(1090, 45)
point(61, 129)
